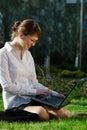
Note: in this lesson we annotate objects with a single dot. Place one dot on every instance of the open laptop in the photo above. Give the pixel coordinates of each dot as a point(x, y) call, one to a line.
point(58, 102)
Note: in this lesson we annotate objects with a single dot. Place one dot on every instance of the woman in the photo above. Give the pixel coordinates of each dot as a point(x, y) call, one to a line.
point(18, 76)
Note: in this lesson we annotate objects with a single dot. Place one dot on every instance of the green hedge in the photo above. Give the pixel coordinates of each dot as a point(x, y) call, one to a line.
point(72, 74)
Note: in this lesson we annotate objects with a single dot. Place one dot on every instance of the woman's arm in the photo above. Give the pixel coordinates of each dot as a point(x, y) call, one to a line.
point(41, 89)
point(6, 82)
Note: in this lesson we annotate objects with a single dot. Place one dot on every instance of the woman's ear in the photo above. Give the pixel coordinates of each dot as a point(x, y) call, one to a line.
point(21, 35)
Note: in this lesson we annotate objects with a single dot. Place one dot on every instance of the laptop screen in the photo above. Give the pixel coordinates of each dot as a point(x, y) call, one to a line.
point(76, 87)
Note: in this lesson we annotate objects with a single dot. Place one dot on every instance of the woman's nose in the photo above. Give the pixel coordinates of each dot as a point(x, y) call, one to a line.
point(33, 44)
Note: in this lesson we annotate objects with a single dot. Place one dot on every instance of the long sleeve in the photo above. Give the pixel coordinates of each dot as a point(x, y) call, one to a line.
point(9, 85)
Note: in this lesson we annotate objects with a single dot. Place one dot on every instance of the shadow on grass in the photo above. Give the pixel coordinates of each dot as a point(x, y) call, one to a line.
point(75, 119)
point(83, 118)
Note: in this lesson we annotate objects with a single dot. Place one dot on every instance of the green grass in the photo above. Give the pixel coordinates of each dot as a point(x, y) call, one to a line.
point(77, 105)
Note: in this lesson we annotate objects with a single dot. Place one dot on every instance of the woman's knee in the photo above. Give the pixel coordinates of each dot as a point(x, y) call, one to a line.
point(62, 113)
point(42, 112)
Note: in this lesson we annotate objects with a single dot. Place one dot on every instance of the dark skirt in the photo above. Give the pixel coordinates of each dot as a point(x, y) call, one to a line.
point(19, 114)
point(21, 107)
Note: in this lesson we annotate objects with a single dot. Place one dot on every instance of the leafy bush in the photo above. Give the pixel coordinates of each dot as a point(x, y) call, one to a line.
point(72, 74)
point(55, 70)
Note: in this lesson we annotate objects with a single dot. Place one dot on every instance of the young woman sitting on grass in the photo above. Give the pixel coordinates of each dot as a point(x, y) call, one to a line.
point(18, 76)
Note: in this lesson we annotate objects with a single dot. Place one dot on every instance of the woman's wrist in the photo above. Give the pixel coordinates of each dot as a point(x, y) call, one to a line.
point(55, 93)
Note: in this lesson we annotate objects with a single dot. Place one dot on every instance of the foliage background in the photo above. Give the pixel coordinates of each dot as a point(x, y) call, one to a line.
point(60, 23)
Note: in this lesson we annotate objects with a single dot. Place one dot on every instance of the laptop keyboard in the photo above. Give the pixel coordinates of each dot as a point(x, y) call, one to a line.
point(51, 99)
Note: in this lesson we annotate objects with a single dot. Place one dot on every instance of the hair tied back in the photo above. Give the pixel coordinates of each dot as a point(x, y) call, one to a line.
point(15, 26)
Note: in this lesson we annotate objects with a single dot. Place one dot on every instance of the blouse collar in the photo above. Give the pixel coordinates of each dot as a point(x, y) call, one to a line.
point(8, 46)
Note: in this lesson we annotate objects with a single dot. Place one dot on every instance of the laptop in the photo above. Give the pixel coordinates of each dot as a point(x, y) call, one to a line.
point(58, 102)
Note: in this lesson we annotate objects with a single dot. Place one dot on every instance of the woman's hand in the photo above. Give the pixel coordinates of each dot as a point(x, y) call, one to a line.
point(44, 92)
point(61, 95)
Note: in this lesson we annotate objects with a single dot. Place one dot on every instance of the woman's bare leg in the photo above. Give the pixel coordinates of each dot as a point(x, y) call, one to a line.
point(61, 113)
point(41, 111)
point(46, 112)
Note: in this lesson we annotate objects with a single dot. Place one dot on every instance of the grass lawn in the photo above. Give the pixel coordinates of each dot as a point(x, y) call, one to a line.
point(78, 105)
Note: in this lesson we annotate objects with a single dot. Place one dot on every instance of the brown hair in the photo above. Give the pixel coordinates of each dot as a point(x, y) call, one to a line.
point(27, 27)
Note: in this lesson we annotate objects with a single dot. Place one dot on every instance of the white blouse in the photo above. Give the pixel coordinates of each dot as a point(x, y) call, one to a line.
point(17, 77)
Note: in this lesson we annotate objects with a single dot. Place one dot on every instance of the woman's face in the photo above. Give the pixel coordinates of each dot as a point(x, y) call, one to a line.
point(28, 41)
